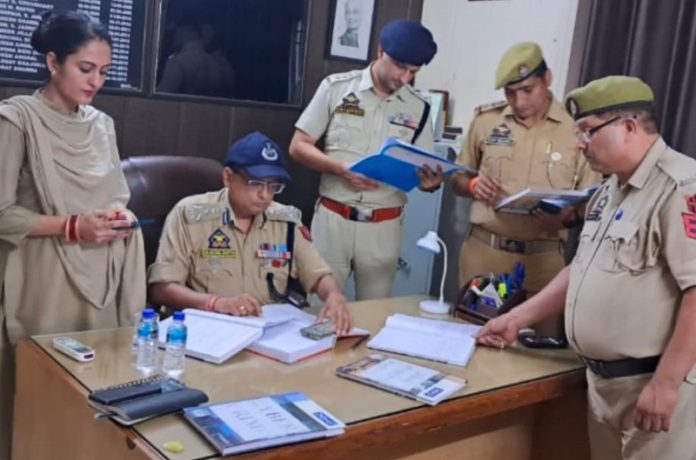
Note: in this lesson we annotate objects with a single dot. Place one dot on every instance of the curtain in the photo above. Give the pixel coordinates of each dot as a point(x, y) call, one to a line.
point(654, 40)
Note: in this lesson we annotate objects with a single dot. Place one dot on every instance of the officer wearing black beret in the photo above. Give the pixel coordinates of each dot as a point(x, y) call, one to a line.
point(357, 223)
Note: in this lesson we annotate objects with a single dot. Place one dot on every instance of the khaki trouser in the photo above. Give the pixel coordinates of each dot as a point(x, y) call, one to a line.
point(478, 258)
point(613, 435)
point(369, 250)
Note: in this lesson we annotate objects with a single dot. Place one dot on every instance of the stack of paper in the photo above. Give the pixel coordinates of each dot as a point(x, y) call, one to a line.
point(215, 337)
point(437, 340)
point(251, 424)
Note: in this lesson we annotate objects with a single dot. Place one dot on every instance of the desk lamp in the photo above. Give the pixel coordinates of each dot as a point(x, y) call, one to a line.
point(431, 242)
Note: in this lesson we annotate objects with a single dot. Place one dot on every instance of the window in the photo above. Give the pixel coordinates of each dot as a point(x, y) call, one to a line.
point(234, 49)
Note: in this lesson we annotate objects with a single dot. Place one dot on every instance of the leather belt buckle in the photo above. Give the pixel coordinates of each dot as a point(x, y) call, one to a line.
point(515, 246)
point(359, 216)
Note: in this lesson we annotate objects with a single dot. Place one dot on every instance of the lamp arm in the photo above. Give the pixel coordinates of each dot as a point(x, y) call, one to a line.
point(444, 270)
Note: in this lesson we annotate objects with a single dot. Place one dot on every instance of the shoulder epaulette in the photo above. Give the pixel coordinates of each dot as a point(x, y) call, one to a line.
point(681, 168)
point(343, 76)
point(490, 106)
point(417, 93)
point(200, 212)
point(277, 211)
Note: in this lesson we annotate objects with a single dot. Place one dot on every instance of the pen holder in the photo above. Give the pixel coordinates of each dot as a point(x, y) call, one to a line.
point(469, 306)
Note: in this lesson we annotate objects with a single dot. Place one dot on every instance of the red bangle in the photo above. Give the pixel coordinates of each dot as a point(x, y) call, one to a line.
point(210, 304)
point(78, 237)
point(472, 185)
point(71, 230)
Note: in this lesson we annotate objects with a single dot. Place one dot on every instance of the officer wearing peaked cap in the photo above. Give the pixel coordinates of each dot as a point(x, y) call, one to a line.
point(524, 142)
point(357, 223)
point(628, 295)
point(234, 250)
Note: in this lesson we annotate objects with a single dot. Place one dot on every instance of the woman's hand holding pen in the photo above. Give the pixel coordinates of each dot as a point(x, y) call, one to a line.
point(487, 190)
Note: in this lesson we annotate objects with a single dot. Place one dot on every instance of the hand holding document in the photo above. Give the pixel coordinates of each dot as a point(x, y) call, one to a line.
point(397, 164)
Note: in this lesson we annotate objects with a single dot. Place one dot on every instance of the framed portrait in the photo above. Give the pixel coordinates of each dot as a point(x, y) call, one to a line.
point(350, 30)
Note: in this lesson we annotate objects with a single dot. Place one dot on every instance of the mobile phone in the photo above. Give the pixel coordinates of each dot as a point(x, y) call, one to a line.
point(136, 224)
point(542, 341)
point(71, 347)
point(318, 331)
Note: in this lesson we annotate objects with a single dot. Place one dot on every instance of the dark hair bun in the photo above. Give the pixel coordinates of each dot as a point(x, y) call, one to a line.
point(39, 38)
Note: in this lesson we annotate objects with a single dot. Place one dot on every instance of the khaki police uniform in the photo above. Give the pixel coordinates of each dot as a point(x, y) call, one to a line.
point(542, 157)
point(201, 248)
point(356, 122)
point(636, 255)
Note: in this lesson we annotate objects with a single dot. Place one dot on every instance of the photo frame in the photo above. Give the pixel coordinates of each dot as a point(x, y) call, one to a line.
point(350, 30)
point(439, 101)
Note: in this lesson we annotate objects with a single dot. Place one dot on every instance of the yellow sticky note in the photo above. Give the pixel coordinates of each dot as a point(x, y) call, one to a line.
point(173, 446)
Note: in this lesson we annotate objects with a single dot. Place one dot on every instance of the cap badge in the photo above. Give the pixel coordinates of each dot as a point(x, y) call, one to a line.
point(269, 153)
point(523, 71)
point(573, 107)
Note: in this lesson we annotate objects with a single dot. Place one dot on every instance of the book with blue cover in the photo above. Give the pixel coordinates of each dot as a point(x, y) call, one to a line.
point(257, 423)
point(397, 163)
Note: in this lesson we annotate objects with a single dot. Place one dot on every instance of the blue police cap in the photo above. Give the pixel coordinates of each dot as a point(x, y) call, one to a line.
point(258, 156)
point(408, 42)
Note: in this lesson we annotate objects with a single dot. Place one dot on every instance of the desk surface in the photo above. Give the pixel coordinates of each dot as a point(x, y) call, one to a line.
point(248, 375)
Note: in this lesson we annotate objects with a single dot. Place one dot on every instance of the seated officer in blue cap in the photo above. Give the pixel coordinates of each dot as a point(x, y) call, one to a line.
point(357, 223)
point(234, 250)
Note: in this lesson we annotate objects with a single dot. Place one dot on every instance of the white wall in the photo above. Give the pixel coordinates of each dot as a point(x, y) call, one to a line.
point(473, 35)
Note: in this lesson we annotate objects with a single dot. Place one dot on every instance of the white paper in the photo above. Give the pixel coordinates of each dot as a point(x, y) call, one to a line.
point(398, 374)
point(258, 419)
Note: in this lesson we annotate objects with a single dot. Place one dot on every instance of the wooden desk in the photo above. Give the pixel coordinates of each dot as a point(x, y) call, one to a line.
point(518, 404)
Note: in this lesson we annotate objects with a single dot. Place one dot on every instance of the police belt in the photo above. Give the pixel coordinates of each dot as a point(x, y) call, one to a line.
point(516, 246)
point(358, 215)
point(622, 367)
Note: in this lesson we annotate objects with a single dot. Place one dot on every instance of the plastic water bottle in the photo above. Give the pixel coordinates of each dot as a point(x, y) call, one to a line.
point(175, 355)
point(146, 357)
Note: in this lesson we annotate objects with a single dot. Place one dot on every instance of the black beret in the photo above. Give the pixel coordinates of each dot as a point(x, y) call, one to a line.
point(408, 42)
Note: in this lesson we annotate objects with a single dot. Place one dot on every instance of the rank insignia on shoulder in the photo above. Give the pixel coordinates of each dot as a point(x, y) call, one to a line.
point(306, 233)
point(691, 203)
point(490, 106)
point(199, 212)
point(283, 212)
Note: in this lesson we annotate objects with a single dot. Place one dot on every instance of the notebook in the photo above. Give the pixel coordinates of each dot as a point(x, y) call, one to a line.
point(286, 344)
point(139, 400)
point(215, 337)
point(552, 201)
point(437, 340)
point(402, 378)
point(257, 423)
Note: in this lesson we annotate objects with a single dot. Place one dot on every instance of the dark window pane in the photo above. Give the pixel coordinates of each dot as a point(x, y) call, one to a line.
point(236, 49)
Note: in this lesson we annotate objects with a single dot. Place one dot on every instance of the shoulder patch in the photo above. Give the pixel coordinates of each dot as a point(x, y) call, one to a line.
point(200, 212)
point(490, 106)
point(343, 76)
point(277, 211)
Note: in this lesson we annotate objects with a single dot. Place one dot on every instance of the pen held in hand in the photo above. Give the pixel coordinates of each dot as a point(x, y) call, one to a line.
point(137, 224)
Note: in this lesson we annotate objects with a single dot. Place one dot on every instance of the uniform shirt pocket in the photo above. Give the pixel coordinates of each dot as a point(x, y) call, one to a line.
point(346, 132)
point(496, 162)
point(280, 277)
point(624, 248)
point(587, 235)
point(401, 132)
point(559, 166)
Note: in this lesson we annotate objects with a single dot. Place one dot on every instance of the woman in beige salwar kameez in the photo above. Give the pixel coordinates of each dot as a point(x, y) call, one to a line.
point(64, 265)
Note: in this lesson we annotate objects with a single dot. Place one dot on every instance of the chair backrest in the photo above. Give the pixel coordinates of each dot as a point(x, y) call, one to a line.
point(158, 182)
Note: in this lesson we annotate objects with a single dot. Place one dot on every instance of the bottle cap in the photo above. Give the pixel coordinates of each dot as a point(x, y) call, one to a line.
point(179, 316)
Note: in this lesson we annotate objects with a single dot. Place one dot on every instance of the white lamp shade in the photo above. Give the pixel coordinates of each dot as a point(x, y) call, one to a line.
point(429, 242)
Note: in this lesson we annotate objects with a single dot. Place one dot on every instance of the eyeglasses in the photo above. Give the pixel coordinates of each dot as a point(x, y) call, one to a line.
point(261, 185)
point(586, 135)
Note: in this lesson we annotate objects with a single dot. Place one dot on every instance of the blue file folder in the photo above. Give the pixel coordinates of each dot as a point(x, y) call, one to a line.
point(396, 164)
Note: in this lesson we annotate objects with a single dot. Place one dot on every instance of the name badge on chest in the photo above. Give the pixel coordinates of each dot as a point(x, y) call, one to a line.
point(219, 246)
